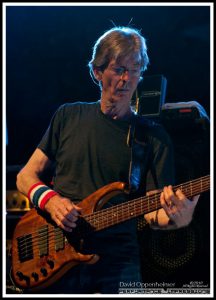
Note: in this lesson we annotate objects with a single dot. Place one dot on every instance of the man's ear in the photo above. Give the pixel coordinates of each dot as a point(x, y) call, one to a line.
point(97, 74)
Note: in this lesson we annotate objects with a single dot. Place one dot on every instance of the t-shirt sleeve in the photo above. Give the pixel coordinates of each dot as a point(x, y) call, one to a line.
point(50, 141)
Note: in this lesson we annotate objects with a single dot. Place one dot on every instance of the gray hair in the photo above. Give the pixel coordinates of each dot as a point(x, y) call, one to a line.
point(116, 43)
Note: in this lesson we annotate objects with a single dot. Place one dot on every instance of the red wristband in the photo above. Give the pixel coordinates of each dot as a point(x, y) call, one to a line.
point(46, 198)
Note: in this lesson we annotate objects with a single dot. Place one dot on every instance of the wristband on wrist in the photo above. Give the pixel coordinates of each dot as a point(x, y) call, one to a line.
point(39, 194)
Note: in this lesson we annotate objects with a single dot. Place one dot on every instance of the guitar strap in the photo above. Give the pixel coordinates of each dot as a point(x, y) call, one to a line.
point(139, 156)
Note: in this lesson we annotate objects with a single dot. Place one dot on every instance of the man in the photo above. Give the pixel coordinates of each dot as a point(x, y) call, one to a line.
point(89, 144)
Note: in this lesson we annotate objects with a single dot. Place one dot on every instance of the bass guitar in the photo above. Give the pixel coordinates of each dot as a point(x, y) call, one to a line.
point(42, 252)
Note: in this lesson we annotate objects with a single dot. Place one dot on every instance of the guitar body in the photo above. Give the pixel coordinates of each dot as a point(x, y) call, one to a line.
point(41, 251)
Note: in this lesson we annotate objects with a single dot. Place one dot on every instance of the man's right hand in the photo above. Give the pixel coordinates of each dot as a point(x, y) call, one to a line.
point(63, 212)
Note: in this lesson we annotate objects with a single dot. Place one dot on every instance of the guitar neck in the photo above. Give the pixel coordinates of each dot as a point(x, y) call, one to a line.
point(125, 211)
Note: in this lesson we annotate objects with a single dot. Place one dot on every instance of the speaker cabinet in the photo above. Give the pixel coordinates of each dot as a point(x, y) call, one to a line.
point(183, 255)
point(150, 95)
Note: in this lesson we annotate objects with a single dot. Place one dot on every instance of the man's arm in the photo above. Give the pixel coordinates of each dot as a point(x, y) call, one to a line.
point(61, 209)
point(32, 171)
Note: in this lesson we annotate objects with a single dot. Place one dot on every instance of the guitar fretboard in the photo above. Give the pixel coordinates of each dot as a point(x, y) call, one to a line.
point(113, 215)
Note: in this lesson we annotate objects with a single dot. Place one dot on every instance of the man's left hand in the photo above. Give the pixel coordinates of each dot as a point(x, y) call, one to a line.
point(178, 207)
point(177, 210)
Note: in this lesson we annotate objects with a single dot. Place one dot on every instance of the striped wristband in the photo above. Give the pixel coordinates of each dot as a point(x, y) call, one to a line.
point(39, 194)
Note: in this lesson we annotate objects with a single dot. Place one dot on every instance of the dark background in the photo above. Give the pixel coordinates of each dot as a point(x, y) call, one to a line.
point(47, 52)
point(48, 49)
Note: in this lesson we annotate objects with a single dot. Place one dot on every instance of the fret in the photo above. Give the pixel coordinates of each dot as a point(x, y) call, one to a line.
point(108, 219)
point(112, 220)
point(121, 212)
point(132, 205)
point(129, 210)
point(157, 201)
point(125, 211)
point(141, 205)
point(134, 208)
point(116, 215)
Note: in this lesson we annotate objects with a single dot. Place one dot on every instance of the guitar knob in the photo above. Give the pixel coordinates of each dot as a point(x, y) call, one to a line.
point(20, 275)
point(50, 263)
point(43, 271)
point(35, 276)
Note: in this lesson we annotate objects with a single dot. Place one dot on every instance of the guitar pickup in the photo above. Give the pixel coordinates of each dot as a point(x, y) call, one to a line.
point(25, 248)
point(43, 240)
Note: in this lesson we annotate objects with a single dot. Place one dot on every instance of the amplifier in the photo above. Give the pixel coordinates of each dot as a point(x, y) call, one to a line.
point(16, 201)
point(150, 95)
point(184, 116)
point(187, 113)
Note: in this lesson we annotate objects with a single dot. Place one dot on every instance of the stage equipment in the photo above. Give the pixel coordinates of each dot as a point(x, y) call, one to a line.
point(150, 96)
point(182, 255)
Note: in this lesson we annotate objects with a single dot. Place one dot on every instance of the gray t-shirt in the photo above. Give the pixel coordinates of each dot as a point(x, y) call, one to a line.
point(90, 150)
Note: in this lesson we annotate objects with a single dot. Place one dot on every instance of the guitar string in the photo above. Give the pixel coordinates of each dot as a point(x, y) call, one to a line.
point(52, 239)
point(123, 216)
point(51, 244)
point(153, 206)
point(107, 223)
point(129, 204)
point(148, 198)
point(124, 211)
point(151, 201)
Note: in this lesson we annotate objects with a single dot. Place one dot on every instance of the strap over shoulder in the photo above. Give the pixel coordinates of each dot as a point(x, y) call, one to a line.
point(140, 149)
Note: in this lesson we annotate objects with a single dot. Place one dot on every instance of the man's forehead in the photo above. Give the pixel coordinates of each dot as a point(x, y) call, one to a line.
point(133, 60)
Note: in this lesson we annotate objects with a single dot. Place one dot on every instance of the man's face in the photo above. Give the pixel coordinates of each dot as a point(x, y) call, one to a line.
point(119, 80)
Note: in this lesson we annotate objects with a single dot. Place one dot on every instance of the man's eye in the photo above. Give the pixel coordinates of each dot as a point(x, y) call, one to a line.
point(119, 70)
point(135, 71)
